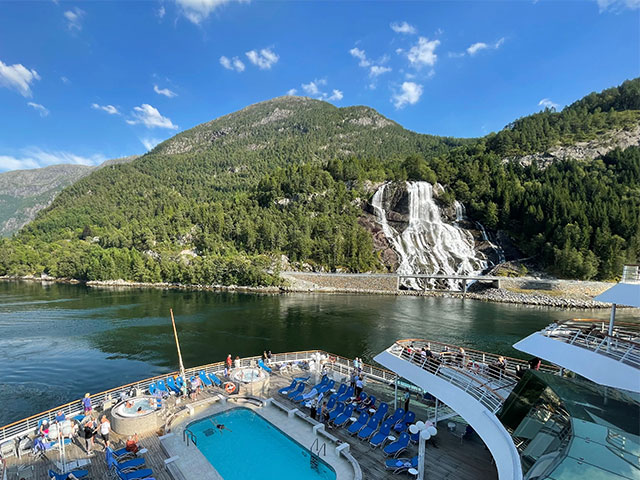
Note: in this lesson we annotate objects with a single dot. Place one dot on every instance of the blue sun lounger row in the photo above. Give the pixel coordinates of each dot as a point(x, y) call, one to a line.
point(64, 476)
point(133, 469)
point(400, 465)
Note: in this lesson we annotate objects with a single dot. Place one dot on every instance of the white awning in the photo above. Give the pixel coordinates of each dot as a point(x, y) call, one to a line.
point(622, 294)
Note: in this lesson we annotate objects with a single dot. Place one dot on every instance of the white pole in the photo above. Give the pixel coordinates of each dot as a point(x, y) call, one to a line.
point(395, 394)
point(422, 440)
point(435, 420)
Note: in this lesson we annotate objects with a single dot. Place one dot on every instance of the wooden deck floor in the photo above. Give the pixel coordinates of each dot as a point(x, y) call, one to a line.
point(451, 460)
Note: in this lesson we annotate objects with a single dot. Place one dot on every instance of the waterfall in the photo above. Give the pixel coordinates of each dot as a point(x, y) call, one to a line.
point(429, 245)
point(496, 248)
point(461, 212)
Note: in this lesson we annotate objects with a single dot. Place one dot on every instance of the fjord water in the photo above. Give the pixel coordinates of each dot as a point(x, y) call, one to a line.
point(59, 341)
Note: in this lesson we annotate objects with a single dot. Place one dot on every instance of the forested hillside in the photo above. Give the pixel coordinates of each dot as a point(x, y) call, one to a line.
point(218, 203)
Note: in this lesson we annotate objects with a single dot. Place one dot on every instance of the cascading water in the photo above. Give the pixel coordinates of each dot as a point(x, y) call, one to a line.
point(429, 245)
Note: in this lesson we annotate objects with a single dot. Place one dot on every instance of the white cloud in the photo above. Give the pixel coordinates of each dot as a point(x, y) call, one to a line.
point(376, 70)
point(150, 117)
point(423, 53)
point(36, 158)
point(336, 95)
point(232, 64)
point(360, 54)
point(292, 91)
point(150, 143)
point(264, 60)
point(456, 54)
point(617, 5)
point(17, 77)
point(198, 10)
point(313, 88)
point(403, 27)
point(547, 103)
point(110, 109)
point(65, 80)
point(476, 47)
point(74, 18)
point(164, 91)
point(161, 12)
point(409, 94)
point(41, 109)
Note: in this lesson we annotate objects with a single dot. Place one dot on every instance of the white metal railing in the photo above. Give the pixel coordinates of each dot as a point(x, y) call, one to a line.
point(71, 409)
point(623, 346)
point(475, 373)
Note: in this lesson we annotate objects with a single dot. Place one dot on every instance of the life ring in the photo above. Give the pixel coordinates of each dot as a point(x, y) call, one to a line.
point(230, 387)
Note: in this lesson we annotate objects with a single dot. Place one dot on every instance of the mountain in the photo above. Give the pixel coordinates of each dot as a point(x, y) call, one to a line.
point(223, 201)
point(23, 193)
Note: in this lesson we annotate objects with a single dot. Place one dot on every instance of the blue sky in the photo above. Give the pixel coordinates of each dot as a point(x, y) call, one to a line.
point(85, 81)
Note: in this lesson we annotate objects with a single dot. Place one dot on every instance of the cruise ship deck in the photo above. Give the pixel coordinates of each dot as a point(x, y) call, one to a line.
point(450, 458)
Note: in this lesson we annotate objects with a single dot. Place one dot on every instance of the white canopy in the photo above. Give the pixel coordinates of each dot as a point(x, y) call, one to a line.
point(622, 294)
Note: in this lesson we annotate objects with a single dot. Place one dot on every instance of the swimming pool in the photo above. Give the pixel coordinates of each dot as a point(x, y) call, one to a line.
point(252, 448)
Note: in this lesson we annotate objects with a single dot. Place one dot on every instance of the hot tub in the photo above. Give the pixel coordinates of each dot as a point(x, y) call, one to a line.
point(249, 375)
point(135, 415)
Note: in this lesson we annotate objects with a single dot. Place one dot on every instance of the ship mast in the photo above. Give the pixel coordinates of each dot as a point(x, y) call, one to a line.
point(175, 334)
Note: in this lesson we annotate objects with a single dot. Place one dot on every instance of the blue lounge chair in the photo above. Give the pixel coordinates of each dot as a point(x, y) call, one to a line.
point(381, 435)
point(152, 388)
point(162, 387)
point(291, 387)
point(370, 404)
point(396, 448)
point(346, 395)
point(384, 408)
point(122, 454)
point(370, 427)
point(331, 403)
point(214, 378)
point(302, 379)
point(263, 366)
point(298, 390)
point(337, 411)
point(326, 387)
point(171, 383)
point(203, 378)
point(403, 424)
point(64, 476)
point(359, 424)
point(344, 417)
point(145, 473)
point(126, 466)
point(342, 389)
point(399, 465)
point(397, 416)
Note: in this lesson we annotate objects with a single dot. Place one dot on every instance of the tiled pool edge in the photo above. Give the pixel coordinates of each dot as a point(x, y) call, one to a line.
point(191, 462)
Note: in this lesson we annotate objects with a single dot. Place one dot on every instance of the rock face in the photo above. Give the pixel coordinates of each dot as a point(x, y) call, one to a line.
point(584, 150)
point(416, 234)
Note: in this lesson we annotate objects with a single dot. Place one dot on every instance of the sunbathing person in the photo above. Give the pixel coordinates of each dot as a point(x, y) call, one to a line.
point(132, 444)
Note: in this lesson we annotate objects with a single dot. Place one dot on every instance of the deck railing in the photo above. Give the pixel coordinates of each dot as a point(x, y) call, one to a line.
point(337, 363)
point(623, 346)
point(474, 372)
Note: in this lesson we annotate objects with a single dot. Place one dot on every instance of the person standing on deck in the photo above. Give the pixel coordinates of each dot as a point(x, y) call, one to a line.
point(407, 397)
point(86, 404)
point(359, 387)
point(105, 429)
point(229, 361)
point(89, 432)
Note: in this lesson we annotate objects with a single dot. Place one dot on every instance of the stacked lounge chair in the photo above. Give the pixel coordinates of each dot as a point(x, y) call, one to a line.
point(359, 424)
point(336, 412)
point(344, 417)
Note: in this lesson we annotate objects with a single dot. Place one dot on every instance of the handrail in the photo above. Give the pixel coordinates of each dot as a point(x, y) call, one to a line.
point(455, 348)
point(21, 427)
point(480, 390)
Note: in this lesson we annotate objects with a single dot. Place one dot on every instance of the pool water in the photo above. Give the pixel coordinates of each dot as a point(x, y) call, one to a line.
point(254, 449)
point(144, 403)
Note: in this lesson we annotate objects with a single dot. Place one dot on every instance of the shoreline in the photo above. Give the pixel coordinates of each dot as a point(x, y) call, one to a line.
point(540, 298)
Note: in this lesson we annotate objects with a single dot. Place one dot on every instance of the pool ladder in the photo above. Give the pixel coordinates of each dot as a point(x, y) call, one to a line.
point(189, 436)
point(315, 446)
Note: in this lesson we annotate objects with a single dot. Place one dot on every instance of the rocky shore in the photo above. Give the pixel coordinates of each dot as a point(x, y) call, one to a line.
point(557, 293)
